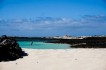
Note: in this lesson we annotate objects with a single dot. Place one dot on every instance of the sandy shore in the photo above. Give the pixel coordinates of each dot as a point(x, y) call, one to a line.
point(71, 59)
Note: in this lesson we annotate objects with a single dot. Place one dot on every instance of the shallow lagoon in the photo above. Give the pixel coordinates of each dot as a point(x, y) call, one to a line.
point(42, 45)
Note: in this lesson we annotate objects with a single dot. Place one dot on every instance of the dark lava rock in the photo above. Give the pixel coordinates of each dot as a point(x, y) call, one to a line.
point(9, 49)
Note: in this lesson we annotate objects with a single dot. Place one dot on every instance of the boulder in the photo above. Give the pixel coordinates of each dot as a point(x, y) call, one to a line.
point(9, 49)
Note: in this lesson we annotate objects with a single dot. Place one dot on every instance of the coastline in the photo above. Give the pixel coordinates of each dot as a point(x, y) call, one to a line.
point(59, 59)
point(87, 42)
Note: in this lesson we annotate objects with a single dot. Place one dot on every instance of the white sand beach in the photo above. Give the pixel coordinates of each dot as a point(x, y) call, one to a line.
point(70, 59)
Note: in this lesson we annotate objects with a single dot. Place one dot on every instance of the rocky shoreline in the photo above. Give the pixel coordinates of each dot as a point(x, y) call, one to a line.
point(89, 42)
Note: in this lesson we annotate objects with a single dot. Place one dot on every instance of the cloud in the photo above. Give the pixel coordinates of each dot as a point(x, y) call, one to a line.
point(87, 25)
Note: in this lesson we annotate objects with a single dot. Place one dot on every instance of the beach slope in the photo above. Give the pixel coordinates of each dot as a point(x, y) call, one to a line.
point(69, 59)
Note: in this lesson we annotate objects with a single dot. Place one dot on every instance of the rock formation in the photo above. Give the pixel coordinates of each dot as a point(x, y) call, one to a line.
point(9, 49)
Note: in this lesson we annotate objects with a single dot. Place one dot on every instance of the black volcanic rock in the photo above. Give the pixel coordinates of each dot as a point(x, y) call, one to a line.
point(9, 49)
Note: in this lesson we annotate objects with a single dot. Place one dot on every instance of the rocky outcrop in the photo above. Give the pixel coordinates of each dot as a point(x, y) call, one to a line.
point(89, 42)
point(9, 49)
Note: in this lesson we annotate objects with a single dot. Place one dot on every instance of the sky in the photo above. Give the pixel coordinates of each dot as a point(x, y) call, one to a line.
point(52, 17)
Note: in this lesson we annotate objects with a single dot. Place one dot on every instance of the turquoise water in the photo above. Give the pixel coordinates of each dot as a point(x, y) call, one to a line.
point(42, 45)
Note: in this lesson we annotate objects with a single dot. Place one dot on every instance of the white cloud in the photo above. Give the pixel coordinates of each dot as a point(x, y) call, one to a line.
point(55, 24)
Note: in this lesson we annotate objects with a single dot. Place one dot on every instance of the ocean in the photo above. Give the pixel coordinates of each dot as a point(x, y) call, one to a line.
point(42, 45)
